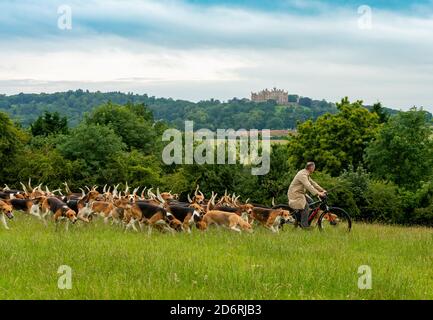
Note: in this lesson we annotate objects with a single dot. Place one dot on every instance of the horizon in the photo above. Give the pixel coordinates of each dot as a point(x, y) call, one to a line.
point(374, 51)
point(192, 101)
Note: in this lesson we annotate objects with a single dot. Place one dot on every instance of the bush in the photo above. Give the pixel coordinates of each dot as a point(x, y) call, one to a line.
point(423, 216)
point(422, 212)
point(384, 204)
point(357, 181)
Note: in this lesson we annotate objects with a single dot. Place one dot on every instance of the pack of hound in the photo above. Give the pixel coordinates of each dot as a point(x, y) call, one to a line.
point(130, 209)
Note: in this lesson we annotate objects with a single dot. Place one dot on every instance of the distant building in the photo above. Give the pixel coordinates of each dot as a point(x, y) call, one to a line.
point(280, 96)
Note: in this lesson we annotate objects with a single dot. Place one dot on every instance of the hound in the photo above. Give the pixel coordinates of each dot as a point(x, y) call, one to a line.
point(102, 208)
point(27, 206)
point(5, 210)
point(225, 219)
point(60, 210)
point(243, 210)
point(198, 196)
point(271, 218)
point(152, 215)
point(187, 215)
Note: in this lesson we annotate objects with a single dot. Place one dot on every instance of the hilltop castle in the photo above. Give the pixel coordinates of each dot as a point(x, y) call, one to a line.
point(280, 96)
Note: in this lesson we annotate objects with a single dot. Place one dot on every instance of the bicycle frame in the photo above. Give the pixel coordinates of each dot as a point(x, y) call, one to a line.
point(321, 205)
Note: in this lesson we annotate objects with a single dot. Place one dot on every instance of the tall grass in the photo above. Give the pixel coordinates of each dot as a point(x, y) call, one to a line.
point(108, 263)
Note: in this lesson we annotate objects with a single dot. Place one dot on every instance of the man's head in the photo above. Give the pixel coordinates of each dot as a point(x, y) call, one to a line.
point(311, 166)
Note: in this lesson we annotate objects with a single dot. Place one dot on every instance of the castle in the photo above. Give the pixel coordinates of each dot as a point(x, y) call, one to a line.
point(280, 96)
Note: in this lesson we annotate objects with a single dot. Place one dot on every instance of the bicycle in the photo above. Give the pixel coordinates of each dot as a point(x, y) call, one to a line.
point(326, 218)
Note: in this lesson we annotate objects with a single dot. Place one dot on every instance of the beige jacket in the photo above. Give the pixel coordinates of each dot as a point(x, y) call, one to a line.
point(299, 186)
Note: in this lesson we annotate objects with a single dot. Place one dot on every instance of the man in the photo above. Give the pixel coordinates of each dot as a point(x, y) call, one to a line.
point(297, 191)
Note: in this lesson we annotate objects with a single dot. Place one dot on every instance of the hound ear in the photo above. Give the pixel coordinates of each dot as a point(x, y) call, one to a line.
point(24, 188)
point(158, 195)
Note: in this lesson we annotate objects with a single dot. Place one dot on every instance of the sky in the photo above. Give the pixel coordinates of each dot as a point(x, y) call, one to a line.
point(202, 49)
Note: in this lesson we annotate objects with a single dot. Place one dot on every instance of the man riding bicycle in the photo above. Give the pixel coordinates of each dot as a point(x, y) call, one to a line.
point(297, 192)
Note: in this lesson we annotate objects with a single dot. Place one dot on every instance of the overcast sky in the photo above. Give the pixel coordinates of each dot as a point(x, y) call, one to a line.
point(202, 49)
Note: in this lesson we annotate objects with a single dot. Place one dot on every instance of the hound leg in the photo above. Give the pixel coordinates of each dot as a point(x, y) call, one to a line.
point(67, 226)
point(186, 227)
point(244, 216)
point(3, 219)
point(171, 230)
point(131, 224)
point(37, 215)
point(44, 217)
point(82, 215)
point(34, 211)
point(140, 224)
point(235, 228)
point(270, 227)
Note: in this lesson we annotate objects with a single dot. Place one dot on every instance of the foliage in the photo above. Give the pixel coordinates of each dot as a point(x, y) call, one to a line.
point(381, 112)
point(12, 140)
point(95, 144)
point(334, 142)
point(384, 203)
point(134, 167)
point(211, 114)
point(49, 123)
point(122, 143)
point(403, 150)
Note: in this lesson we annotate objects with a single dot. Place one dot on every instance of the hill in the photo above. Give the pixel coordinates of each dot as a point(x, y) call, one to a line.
point(212, 114)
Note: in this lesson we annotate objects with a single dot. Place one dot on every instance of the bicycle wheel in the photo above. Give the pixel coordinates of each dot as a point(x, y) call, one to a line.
point(335, 220)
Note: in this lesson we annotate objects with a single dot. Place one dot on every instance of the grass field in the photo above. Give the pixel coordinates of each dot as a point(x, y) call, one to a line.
point(110, 264)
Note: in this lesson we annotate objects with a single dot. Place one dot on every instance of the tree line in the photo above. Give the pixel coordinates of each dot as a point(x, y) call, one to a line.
point(211, 114)
point(377, 166)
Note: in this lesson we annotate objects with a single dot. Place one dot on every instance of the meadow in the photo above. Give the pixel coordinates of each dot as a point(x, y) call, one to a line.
point(108, 263)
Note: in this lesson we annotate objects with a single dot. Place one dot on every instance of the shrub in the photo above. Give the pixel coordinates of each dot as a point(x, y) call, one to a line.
point(384, 204)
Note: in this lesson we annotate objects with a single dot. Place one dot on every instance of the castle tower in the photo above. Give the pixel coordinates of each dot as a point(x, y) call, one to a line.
point(280, 96)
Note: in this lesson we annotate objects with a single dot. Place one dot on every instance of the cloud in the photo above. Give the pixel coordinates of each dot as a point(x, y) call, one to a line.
point(221, 50)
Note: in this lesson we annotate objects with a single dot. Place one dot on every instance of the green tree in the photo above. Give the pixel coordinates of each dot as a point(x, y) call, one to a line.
point(334, 141)
point(134, 167)
point(45, 166)
point(49, 123)
point(380, 111)
point(12, 141)
point(95, 144)
point(403, 150)
point(132, 123)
